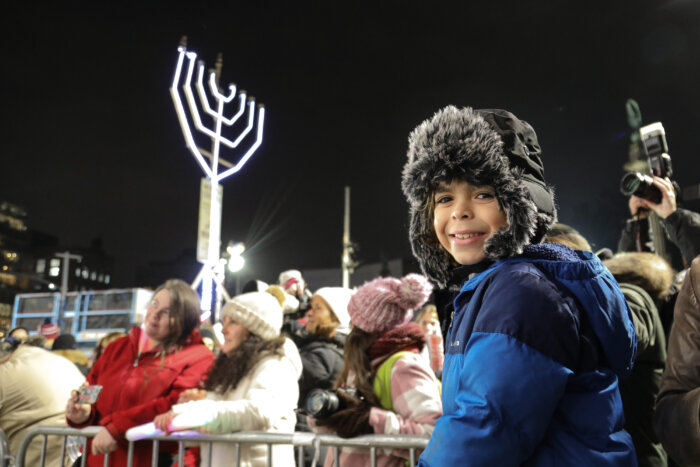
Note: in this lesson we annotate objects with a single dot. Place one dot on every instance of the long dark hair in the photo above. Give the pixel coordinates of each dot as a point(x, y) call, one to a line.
point(356, 359)
point(184, 311)
point(228, 370)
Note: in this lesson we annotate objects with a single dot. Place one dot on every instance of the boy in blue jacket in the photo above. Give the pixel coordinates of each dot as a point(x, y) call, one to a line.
point(540, 333)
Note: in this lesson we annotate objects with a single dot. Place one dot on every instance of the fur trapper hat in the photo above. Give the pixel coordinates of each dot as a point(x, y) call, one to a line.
point(483, 147)
point(386, 302)
point(260, 312)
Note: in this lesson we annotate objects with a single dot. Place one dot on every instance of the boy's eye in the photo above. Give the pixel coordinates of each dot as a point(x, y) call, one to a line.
point(485, 195)
point(439, 199)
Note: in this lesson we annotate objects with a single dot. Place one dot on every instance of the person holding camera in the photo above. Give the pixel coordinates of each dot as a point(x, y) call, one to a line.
point(397, 391)
point(681, 225)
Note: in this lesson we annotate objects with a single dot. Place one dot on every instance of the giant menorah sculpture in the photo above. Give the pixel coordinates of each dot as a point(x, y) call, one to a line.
point(208, 245)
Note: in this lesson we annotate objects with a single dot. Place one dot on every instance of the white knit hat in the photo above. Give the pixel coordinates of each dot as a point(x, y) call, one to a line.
point(337, 298)
point(260, 312)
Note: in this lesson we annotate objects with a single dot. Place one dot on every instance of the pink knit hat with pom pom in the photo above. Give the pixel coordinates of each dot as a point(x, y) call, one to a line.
point(387, 302)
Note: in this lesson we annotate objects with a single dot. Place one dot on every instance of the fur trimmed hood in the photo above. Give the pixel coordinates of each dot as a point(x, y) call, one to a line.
point(483, 147)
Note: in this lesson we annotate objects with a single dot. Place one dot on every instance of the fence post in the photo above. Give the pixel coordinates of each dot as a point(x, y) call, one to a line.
point(5, 456)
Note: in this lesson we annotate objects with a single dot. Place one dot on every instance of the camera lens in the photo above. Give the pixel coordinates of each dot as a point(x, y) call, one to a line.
point(320, 403)
point(630, 183)
point(641, 186)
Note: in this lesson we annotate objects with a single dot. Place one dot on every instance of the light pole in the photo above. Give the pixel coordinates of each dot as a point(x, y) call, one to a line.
point(66, 256)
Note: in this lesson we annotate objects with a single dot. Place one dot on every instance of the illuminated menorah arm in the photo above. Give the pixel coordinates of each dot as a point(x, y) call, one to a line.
point(212, 268)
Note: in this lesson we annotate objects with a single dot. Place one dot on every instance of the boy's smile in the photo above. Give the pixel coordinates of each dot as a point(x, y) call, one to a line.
point(465, 216)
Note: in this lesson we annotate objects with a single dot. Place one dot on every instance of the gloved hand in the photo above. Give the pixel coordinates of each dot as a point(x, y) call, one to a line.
point(352, 420)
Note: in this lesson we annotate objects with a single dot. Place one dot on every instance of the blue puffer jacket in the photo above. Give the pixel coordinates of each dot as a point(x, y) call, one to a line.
point(534, 354)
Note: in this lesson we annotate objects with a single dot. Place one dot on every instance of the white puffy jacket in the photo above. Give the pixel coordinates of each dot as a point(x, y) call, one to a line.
point(264, 400)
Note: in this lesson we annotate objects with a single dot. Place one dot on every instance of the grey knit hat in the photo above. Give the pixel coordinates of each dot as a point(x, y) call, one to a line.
point(260, 312)
point(483, 147)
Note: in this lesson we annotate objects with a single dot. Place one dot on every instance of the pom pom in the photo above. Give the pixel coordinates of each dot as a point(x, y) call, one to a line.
point(414, 291)
point(276, 292)
point(288, 302)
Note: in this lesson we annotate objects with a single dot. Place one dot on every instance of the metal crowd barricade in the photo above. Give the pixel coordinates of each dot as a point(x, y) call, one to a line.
point(65, 432)
point(412, 443)
point(5, 456)
point(300, 440)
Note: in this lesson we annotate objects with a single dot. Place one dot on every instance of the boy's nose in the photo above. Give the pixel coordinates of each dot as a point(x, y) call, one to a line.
point(461, 210)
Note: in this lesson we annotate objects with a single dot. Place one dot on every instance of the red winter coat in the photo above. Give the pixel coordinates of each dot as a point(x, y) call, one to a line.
point(137, 388)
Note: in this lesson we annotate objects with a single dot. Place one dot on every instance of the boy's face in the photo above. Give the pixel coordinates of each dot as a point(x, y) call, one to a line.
point(464, 217)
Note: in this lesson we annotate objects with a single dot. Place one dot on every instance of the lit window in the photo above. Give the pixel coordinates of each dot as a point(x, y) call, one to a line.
point(40, 265)
point(55, 267)
point(100, 278)
point(77, 272)
point(10, 256)
point(93, 276)
point(86, 273)
point(107, 279)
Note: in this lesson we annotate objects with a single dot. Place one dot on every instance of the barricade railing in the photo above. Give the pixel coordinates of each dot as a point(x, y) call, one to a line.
point(45, 432)
point(5, 456)
point(299, 440)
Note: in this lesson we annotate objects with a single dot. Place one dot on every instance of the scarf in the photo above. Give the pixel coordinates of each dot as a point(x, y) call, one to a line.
point(407, 337)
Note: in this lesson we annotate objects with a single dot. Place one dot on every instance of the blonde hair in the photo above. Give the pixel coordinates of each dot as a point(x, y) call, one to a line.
point(646, 270)
point(428, 309)
point(567, 235)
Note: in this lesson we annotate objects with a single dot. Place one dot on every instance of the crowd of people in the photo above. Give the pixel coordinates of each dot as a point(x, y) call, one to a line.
point(517, 345)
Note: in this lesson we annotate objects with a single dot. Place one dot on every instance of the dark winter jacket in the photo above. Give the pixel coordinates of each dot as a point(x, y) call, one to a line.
point(136, 388)
point(640, 388)
point(321, 357)
point(677, 419)
point(323, 362)
point(534, 354)
point(682, 229)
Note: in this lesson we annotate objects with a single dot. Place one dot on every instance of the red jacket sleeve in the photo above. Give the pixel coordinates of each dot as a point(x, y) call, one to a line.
point(199, 361)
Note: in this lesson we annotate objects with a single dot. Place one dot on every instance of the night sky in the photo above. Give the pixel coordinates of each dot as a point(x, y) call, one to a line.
point(91, 146)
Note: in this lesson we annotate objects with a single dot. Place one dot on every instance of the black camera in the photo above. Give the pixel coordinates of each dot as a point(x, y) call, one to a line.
point(322, 403)
point(653, 138)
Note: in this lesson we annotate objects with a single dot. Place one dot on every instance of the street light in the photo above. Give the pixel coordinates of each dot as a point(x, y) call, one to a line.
point(235, 260)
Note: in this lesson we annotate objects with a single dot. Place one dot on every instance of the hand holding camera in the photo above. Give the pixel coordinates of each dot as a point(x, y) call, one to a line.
point(654, 191)
point(340, 411)
point(667, 204)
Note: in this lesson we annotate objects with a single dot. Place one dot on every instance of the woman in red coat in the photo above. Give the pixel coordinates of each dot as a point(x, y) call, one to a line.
point(143, 374)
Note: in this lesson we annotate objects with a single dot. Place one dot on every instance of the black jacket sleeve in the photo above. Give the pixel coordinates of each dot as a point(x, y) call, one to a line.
point(683, 229)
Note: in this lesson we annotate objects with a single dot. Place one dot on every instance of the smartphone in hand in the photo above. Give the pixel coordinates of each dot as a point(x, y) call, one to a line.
point(88, 394)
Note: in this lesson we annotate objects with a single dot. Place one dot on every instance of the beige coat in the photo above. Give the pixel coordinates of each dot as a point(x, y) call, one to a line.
point(34, 389)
